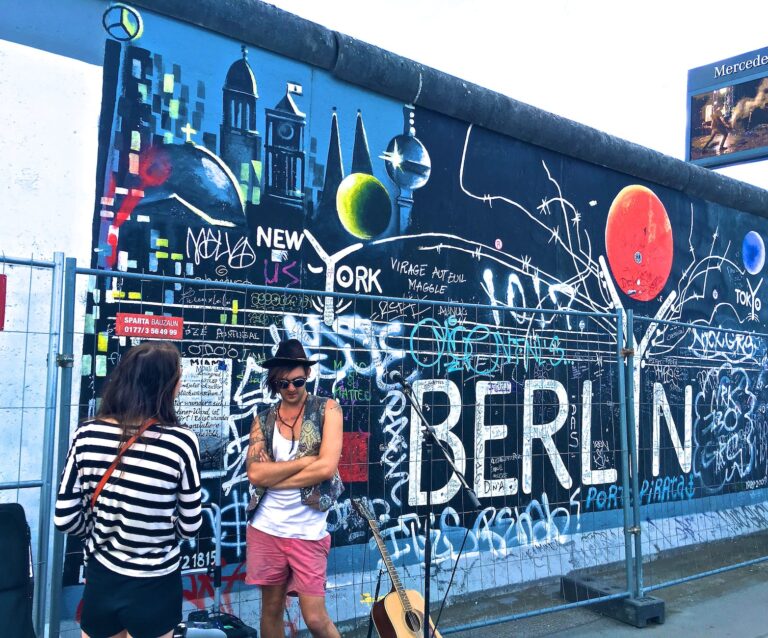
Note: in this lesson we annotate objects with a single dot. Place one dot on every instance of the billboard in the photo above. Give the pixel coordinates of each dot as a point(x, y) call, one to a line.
point(728, 111)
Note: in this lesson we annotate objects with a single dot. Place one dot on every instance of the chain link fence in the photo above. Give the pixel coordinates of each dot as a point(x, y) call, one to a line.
point(553, 417)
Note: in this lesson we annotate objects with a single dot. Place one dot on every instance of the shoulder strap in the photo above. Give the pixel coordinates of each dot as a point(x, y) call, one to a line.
point(144, 427)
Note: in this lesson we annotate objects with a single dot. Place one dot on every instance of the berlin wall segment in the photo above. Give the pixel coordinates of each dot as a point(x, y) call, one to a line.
point(223, 161)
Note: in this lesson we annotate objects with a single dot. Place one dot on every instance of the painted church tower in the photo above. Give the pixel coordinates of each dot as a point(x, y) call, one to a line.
point(285, 157)
point(240, 141)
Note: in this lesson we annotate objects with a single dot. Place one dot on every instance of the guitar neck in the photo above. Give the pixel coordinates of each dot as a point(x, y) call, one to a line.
point(390, 567)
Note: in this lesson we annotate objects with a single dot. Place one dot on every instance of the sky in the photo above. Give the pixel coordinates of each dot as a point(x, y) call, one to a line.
point(618, 66)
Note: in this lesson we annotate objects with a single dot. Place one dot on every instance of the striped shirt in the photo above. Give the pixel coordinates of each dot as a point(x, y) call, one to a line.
point(151, 500)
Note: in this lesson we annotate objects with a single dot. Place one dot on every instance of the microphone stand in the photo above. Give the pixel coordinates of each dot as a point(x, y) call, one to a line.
point(430, 439)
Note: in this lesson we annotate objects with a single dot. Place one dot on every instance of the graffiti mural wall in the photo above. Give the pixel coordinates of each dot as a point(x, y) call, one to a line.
point(220, 161)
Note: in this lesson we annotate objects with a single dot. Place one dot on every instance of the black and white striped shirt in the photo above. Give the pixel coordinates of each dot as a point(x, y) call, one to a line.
point(151, 500)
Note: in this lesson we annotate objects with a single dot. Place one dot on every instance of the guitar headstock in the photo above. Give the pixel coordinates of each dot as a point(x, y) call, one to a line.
point(363, 510)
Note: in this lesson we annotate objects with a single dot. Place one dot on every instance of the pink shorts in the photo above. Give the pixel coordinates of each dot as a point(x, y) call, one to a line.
point(301, 564)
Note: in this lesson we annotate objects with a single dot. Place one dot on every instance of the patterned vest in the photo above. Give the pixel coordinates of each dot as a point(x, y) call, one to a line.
point(321, 496)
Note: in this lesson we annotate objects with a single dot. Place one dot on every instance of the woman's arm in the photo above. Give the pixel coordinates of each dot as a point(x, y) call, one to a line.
point(189, 495)
point(327, 461)
point(261, 469)
point(69, 516)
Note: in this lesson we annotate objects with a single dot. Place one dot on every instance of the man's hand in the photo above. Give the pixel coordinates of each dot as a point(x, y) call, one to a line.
point(259, 457)
point(262, 471)
point(327, 462)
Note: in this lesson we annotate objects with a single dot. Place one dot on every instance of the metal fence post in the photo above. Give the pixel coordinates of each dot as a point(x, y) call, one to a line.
point(65, 360)
point(637, 587)
point(625, 489)
point(49, 438)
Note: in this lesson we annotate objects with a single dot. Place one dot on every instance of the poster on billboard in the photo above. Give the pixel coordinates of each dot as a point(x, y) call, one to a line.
point(728, 111)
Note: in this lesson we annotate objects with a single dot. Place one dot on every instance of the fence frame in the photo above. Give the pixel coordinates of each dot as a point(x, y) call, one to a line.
point(45, 483)
point(58, 409)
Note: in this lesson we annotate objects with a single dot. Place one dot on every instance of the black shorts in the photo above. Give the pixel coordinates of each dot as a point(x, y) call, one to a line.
point(146, 607)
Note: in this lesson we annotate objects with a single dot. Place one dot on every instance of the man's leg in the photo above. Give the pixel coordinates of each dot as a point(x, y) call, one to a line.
point(316, 616)
point(722, 143)
point(272, 607)
point(267, 567)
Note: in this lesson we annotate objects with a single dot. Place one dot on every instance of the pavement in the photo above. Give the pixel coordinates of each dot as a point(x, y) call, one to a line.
point(726, 604)
point(730, 604)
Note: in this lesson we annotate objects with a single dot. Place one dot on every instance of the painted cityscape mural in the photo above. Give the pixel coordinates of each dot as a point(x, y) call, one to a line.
point(222, 162)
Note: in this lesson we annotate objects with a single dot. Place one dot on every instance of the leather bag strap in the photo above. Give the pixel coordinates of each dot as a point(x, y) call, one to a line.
point(144, 427)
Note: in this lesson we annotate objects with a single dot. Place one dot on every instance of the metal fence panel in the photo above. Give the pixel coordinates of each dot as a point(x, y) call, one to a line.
point(29, 344)
point(539, 409)
point(703, 448)
point(527, 402)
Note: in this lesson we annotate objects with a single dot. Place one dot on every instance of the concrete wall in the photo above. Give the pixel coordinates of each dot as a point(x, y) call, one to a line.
point(230, 141)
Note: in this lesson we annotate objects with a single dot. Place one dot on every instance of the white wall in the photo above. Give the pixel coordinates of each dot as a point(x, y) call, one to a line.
point(49, 117)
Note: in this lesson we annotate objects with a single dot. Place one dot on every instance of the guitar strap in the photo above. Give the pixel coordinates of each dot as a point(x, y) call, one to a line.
point(143, 428)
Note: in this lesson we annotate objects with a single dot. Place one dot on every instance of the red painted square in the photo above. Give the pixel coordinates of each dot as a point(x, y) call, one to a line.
point(353, 465)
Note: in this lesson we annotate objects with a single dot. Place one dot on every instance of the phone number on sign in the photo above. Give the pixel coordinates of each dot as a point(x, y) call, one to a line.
point(144, 331)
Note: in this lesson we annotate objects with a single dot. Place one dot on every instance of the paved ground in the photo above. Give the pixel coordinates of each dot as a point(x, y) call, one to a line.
point(728, 604)
point(733, 604)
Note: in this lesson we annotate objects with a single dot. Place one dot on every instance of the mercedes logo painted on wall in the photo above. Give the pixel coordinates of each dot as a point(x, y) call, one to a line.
point(122, 22)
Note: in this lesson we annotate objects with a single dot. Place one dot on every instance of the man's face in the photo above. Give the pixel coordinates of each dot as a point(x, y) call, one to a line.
point(290, 394)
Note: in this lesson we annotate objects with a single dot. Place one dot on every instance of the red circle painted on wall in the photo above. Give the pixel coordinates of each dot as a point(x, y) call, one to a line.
point(154, 166)
point(638, 241)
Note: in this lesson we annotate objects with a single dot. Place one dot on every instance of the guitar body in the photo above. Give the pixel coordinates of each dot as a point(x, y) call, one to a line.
point(400, 614)
point(392, 621)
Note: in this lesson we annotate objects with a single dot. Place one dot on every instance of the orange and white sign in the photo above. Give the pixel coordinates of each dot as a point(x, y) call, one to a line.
point(149, 326)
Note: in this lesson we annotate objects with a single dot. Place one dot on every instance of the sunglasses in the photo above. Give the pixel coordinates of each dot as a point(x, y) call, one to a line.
point(297, 383)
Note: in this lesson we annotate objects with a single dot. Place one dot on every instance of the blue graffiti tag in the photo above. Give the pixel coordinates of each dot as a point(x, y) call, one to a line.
point(480, 349)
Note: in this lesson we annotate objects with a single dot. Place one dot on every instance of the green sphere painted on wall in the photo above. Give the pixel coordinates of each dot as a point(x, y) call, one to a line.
point(363, 205)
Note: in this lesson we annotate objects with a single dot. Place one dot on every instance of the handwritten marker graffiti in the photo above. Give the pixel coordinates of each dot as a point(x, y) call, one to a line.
point(480, 349)
point(728, 433)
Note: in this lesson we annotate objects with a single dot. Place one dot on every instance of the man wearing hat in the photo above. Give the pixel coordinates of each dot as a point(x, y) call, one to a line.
point(292, 465)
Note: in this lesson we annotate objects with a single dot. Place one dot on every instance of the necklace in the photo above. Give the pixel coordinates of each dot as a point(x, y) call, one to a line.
point(295, 420)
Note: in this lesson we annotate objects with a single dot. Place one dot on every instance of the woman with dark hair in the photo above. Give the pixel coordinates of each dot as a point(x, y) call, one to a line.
point(130, 490)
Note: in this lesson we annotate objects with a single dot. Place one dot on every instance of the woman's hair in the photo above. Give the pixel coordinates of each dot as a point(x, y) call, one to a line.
point(275, 373)
point(142, 386)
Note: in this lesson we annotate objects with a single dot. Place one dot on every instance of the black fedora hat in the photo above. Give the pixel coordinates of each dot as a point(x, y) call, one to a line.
point(289, 353)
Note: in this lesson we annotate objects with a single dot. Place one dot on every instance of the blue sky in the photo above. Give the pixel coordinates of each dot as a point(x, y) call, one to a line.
point(177, 43)
point(620, 67)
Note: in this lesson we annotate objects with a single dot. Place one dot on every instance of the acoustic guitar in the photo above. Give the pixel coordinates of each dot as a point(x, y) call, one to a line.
point(400, 614)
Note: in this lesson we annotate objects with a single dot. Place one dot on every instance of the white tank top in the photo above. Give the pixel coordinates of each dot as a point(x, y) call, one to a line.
point(281, 512)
